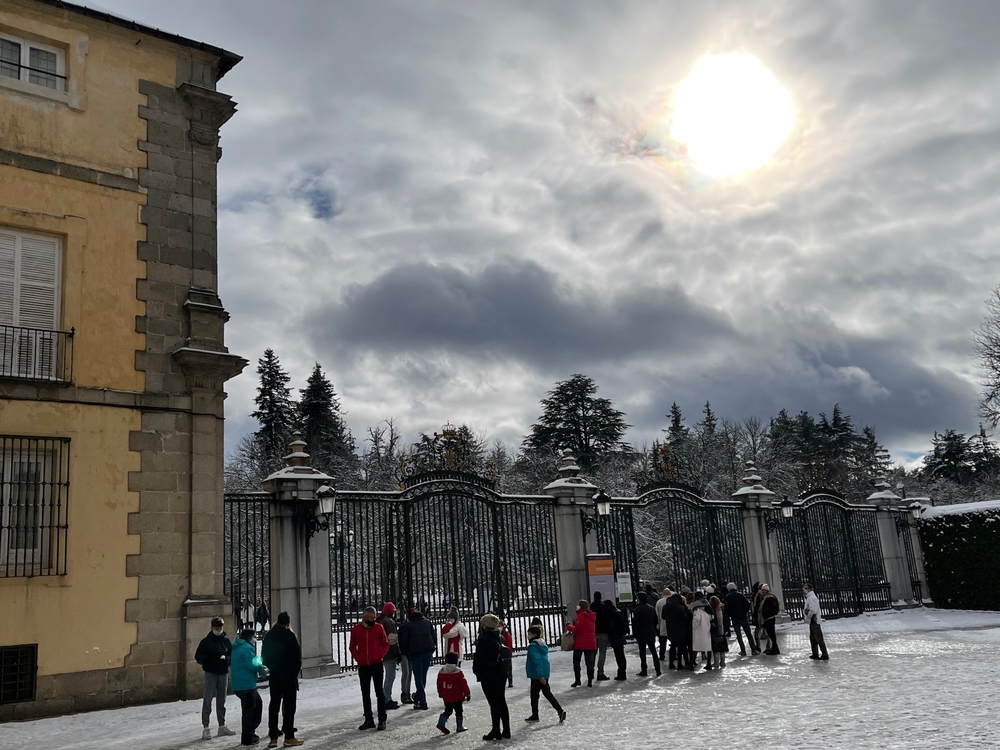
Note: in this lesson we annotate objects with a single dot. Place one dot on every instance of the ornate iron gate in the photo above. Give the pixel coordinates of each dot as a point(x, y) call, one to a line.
point(445, 539)
point(247, 558)
point(671, 535)
point(903, 529)
point(834, 545)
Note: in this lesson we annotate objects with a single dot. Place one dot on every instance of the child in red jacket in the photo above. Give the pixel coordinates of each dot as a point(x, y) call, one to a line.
point(453, 688)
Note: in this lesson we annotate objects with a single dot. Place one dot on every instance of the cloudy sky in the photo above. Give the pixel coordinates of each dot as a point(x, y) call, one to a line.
point(452, 206)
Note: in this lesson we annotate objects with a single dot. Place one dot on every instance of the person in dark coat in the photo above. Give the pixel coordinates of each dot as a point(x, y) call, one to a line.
point(490, 667)
point(736, 609)
point(769, 608)
point(418, 641)
point(619, 631)
point(392, 657)
point(602, 629)
point(755, 613)
point(678, 617)
point(282, 655)
point(644, 627)
point(214, 654)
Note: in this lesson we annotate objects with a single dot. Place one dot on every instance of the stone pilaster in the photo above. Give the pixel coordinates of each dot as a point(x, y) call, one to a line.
point(886, 504)
point(300, 559)
point(186, 364)
point(572, 494)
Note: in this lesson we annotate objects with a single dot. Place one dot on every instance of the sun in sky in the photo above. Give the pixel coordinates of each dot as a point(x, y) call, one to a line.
point(731, 114)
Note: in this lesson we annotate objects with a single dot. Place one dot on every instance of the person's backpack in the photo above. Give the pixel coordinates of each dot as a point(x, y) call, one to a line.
point(503, 657)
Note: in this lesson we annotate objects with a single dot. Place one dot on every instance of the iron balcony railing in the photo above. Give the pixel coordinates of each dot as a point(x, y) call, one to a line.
point(36, 354)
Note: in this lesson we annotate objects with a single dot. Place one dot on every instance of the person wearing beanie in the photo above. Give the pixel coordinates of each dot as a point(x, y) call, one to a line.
point(369, 646)
point(584, 631)
point(736, 609)
point(454, 690)
point(392, 657)
point(418, 641)
point(282, 655)
point(213, 654)
point(490, 667)
point(246, 670)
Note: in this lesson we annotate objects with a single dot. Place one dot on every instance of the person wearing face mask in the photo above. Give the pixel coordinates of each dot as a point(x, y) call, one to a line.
point(214, 654)
point(247, 669)
point(811, 613)
point(369, 646)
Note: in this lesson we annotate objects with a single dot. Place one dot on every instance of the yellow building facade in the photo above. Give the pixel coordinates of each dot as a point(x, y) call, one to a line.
point(112, 359)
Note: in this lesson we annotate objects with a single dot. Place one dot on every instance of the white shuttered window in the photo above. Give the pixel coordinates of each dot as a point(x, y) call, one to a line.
point(29, 299)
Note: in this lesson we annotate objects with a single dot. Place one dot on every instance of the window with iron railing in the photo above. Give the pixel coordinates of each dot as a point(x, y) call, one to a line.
point(31, 346)
point(18, 673)
point(32, 62)
point(34, 505)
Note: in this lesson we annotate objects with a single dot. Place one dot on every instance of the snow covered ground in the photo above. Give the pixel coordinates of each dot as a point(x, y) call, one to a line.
point(914, 679)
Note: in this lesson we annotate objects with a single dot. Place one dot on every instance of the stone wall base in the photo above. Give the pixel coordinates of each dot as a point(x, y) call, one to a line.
point(322, 670)
point(98, 689)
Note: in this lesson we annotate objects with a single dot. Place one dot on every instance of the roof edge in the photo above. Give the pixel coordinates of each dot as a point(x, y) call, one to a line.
point(227, 59)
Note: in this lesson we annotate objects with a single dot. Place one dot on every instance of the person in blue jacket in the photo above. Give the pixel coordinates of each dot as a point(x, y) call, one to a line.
point(536, 667)
point(245, 671)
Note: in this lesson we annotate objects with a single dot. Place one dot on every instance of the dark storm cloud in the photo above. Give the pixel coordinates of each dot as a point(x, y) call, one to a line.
point(514, 309)
point(451, 205)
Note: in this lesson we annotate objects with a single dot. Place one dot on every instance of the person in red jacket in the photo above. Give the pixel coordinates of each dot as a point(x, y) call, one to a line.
point(453, 689)
point(584, 632)
point(509, 640)
point(369, 646)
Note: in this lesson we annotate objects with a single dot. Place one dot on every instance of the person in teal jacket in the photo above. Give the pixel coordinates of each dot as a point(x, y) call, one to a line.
point(246, 669)
point(536, 668)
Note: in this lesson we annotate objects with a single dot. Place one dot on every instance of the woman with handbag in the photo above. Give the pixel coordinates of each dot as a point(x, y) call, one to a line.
point(584, 630)
point(720, 644)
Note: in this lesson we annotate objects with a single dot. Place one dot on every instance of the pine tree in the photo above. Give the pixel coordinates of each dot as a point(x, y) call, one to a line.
point(950, 458)
point(328, 439)
point(275, 409)
point(573, 417)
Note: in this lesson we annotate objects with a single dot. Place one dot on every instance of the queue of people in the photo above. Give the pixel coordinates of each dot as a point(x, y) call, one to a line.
point(681, 628)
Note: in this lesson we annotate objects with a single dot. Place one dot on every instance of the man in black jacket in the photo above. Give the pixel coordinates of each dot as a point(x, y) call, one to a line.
point(769, 608)
point(644, 627)
point(736, 610)
point(490, 667)
point(678, 618)
point(282, 655)
point(418, 641)
point(214, 654)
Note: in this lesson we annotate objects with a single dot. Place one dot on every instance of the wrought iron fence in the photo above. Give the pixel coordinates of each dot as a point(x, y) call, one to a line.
point(247, 559)
point(34, 505)
point(36, 354)
point(835, 546)
point(445, 540)
point(903, 529)
point(671, 535)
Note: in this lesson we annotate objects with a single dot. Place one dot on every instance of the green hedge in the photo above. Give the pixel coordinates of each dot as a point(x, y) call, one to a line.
point(962, 558)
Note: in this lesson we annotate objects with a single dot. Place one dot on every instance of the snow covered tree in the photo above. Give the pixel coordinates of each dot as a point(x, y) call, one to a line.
point(950, 458)
point(328, 439)
point(381, 457)
point(275, 409)
point(574, 417)
point(987, 341)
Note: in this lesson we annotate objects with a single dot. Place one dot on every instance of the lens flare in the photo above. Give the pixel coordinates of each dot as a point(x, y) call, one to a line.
point(730, 114)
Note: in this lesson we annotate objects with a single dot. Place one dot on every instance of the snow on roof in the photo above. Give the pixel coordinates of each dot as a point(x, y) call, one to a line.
point(960, 508)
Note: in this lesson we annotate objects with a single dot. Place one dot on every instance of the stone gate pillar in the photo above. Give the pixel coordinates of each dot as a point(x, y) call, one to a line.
point(762, 546)
point(572, 494)
point(886, 504)
point(300, 559)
